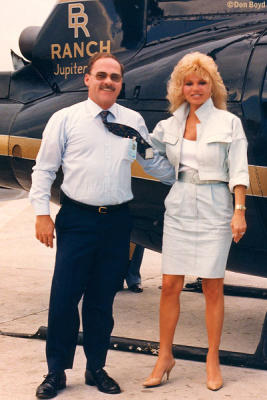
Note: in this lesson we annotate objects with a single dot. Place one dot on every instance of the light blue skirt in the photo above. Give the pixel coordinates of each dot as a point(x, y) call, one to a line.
point(197, 235)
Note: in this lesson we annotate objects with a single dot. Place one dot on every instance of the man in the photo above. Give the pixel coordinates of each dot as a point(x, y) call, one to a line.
point(93, 225)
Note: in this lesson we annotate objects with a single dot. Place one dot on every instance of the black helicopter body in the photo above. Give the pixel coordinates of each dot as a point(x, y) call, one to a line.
point(149, 37)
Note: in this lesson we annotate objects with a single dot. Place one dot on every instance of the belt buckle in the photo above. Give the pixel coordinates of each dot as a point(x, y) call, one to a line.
point(102, 210)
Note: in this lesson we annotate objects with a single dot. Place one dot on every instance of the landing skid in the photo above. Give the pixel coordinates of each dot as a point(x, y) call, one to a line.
point(230, 290)
point(258, 360)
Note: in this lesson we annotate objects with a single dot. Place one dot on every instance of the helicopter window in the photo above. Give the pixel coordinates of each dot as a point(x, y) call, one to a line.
point(169, 19)
point(189, 7)
point(131, 14)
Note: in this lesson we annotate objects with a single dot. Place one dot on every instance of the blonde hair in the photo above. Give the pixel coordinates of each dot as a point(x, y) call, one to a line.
point(205, 67)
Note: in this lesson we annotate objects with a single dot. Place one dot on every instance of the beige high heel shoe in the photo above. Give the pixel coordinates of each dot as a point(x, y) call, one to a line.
point(212, 385)
point(152, 382)
point(217, 383)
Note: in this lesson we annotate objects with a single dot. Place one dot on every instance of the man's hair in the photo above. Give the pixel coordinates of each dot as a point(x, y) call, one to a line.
point(98, 56)
point(205, 67)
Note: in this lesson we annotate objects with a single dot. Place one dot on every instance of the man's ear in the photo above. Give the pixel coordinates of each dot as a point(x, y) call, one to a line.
point(86, 80)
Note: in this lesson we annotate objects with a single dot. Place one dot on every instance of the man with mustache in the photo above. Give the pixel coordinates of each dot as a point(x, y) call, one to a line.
point(93, 225)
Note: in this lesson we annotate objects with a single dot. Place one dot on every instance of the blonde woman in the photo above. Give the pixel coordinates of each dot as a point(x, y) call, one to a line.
point(208, 148)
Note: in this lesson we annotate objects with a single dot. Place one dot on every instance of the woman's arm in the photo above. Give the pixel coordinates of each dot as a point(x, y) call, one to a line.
point(237, 157)
point(238, 223)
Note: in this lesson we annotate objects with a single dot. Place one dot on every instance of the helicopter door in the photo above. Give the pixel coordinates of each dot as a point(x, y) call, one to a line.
point(255, 113)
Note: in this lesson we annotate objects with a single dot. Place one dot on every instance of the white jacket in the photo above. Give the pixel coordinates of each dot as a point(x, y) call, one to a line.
point(221, 143)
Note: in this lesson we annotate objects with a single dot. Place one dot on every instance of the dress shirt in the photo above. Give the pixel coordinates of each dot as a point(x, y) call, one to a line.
point(96, 163)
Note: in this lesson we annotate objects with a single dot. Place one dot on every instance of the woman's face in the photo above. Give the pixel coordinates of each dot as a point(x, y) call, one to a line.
point(196, 90)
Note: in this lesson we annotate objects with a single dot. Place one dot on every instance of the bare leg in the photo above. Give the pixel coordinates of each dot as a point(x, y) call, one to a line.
point(169, 315)
point(213, 291)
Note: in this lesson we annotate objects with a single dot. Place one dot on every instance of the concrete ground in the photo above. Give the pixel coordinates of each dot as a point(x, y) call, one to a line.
point(26, 269)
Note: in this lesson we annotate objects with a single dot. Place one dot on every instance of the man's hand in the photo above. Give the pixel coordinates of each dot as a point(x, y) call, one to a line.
point(44, 229)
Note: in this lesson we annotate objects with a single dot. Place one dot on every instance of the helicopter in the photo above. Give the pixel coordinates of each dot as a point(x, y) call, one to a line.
point(149, 37)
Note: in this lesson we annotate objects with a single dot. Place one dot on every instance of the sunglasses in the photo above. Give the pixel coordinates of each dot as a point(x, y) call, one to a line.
point(101, 76)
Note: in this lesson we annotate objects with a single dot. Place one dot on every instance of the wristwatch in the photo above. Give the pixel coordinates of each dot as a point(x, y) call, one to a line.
point(240, 207)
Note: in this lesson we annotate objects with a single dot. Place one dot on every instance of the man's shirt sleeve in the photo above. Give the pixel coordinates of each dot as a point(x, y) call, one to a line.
point(48, 162)
point(159, 166)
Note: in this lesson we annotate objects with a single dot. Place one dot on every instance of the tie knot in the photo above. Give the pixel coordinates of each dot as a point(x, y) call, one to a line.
point(104, 116)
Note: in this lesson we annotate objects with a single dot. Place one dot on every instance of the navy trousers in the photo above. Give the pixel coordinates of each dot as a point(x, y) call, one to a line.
point(133, 276)
point(91, 261)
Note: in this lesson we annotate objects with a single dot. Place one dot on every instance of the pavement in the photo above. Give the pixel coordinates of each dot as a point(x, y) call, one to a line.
point(26, 269)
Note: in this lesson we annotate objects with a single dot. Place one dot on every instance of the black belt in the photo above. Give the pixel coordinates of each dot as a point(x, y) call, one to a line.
point(98, 209)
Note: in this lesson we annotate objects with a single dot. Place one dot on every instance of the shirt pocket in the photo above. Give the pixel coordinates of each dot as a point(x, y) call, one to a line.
point(172, 148)
point(223, 138)
point(216, 148)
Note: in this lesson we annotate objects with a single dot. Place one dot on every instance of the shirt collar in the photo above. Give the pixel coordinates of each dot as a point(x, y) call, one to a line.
point(182, 111)
point(202, 112)
point(94, 108)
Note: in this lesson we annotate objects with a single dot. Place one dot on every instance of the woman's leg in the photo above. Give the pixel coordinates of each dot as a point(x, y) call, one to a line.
point(213, 291)
point(172, 286)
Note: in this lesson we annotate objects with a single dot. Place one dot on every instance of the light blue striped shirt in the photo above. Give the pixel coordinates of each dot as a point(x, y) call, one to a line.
point(96, 163)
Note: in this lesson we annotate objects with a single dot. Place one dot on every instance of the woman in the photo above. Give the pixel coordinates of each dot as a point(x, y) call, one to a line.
point(208, 148)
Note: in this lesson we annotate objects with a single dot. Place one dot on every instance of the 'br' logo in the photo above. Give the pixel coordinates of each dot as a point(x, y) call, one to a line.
point(78, 19)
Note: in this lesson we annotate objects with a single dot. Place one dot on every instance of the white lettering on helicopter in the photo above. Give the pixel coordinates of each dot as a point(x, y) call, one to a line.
point(82, 49)
point(78, 19)
point(70, 70)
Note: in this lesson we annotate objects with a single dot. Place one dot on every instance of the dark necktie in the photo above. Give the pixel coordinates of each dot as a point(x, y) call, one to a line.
point(143, 148)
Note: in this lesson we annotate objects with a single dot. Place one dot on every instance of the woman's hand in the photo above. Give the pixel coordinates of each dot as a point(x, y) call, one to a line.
point(238, 225)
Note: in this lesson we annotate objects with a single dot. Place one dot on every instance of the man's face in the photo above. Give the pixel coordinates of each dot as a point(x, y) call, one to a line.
point(102, 89)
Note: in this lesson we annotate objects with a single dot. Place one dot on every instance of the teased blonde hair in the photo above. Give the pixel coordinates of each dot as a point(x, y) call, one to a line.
point(206, 68)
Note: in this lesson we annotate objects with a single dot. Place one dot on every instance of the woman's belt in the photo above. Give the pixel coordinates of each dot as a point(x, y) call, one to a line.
point(192, 176)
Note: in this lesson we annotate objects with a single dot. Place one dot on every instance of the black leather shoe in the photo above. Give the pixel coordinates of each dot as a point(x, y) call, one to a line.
point(103, 382)
point(53, 382)
point(136, 288)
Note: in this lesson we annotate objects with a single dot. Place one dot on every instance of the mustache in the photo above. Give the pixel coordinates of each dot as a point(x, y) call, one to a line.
point(106, 86)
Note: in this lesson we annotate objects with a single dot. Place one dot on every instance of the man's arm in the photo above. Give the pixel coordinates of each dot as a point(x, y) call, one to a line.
point(158, 166)
point(44, 172)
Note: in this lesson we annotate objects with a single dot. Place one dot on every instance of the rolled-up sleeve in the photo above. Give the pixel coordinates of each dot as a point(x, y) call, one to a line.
point(48, 161)
point(158, 166)
point(237, 157)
